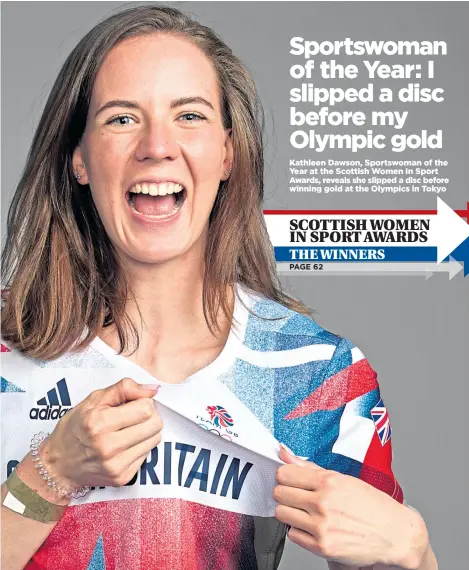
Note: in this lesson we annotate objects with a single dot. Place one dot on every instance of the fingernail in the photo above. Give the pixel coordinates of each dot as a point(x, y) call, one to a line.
point(150, 386)
point(286, 448)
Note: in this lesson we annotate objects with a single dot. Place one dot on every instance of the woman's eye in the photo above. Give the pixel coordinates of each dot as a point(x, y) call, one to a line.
point(191, 117)
point(120, 120)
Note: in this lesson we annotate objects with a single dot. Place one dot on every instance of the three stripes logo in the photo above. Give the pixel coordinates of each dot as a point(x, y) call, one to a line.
point(54, 405)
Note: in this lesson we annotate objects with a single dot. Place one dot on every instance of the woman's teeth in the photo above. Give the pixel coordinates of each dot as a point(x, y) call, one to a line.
point(153, 189)
point(162, 190)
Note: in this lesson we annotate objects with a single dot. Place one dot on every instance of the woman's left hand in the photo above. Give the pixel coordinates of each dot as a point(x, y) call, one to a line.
point(344, 519)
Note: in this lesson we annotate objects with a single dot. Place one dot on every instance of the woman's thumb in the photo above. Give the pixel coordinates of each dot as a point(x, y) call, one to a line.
point(287, 455)
point(127, 390)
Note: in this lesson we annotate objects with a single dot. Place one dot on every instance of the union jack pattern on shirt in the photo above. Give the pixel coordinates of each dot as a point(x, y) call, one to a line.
point(383, 425)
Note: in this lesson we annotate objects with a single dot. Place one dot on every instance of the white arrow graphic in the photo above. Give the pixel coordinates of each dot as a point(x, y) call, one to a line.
point(450, 228)
point(446, 232)
point(423, 269)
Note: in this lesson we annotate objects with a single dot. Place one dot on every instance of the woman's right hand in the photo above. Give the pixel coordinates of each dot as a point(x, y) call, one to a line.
point(104, 440)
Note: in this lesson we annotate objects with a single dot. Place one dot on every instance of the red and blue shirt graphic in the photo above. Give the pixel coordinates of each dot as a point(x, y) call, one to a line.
point(314, 391)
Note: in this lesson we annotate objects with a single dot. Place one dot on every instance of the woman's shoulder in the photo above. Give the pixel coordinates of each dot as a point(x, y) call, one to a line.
point(272, 323)
point(280, 339)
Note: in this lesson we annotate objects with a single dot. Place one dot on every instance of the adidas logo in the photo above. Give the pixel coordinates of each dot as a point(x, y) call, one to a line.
point(53, 406)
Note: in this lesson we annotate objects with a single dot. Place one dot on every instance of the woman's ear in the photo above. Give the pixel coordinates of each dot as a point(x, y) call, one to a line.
point(79, 168)
point(228, 160)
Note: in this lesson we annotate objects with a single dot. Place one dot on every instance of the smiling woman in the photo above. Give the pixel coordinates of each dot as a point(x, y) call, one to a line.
point(151, 98)
point(173, 134)
point(139, 215)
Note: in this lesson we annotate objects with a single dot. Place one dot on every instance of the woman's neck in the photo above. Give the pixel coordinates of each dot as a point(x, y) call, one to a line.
point(174, 338)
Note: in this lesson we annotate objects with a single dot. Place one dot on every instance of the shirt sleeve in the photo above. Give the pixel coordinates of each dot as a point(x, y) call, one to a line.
point(348, 425)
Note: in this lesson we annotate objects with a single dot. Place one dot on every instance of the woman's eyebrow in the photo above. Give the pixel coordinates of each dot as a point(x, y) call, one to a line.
point(185, 100)
point(134, 105)
point(118, 103)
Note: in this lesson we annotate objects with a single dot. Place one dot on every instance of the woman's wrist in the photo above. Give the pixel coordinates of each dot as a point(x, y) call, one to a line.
point(412, 544)
point(49, 463)
point(53, 462)
point(30, 476)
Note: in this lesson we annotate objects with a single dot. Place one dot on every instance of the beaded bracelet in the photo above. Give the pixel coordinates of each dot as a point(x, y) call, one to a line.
point(36, 441)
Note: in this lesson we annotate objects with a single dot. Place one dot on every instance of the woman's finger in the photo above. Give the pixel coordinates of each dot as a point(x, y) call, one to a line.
point(116, 418)
point(298, 518)
point(129, 456)
point(305, 540)
point(300, 478)
point(124, 439)
point(134, 467)
point(297, 498)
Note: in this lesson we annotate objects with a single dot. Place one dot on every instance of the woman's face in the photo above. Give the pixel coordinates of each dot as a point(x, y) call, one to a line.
point(155, 119)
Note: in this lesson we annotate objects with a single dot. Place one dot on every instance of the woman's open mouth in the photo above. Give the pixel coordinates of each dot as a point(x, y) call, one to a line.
point(156, 201)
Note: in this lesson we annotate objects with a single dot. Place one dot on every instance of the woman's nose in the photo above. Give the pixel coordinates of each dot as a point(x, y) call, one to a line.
point(157, 141)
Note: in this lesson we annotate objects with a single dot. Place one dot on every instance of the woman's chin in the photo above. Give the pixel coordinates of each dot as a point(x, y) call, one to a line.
point(162, 253)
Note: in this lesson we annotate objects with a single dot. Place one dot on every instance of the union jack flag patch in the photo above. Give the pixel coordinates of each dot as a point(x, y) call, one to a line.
point(382, 423)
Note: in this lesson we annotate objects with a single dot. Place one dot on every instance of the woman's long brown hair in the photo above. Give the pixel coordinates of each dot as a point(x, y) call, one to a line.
point(62, 272)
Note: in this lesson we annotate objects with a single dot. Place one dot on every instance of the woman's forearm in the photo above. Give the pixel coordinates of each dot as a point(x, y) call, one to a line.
point(22, 536)
point(418, 555)
point(428, 563)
